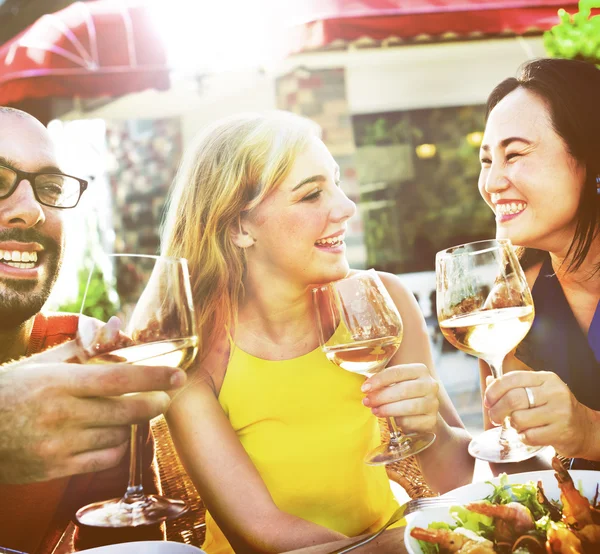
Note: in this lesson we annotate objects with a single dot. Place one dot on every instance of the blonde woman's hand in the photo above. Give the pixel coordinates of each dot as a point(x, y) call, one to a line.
point(406, 392)
point(557, 418)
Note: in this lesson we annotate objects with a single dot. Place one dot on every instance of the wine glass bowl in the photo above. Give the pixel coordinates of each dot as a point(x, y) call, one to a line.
point(485, 309)
point(360, 330)
point(153, 326)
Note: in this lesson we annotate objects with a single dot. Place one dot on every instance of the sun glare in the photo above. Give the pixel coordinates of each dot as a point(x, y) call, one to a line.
point(211, 37)
point(81, 150)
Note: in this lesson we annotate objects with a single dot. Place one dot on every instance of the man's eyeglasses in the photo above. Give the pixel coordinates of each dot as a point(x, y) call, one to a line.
point(50, 189)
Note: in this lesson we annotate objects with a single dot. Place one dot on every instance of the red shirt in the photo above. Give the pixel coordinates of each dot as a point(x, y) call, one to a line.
point(51, 330)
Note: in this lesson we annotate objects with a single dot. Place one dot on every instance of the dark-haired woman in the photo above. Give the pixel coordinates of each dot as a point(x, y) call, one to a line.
point(540, 174)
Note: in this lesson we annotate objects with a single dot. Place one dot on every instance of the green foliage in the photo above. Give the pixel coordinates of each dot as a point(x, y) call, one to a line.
point(382, 239)
point(101, 297)
point(98, 302)
point(430, 204)
point(576, 36)
point(383, 132)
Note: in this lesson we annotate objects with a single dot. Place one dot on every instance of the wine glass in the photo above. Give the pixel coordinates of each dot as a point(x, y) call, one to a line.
point(485, 308)
point(360, 330)
point(153, 303)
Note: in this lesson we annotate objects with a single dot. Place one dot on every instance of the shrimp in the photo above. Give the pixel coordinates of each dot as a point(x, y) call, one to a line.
point(577, 510)
point(590, 535)
point(511, 520)
point(453, 541)
point(578, 513)
point(561, 540)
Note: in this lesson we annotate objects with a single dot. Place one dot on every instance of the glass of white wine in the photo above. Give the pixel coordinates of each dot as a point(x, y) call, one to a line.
point(360, 330)
point(485, 308)
point(152, 301)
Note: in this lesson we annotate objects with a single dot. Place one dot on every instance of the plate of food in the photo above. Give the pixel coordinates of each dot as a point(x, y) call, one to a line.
point(537, 513)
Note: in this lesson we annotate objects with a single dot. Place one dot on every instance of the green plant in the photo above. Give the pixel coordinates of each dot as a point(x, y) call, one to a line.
point(412, 207)
point(98, 301)
point(383, 132)
point(576, 36)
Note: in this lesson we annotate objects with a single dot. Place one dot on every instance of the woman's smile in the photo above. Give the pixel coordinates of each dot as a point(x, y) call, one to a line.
point(333, 244)
point(507, 210)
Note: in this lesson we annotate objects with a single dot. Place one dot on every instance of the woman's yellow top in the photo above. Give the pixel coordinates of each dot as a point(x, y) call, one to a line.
point(303, 424)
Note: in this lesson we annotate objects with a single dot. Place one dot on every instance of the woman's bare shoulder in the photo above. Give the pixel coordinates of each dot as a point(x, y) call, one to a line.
point(395, 286)
point(403, 297)
point(212, 367)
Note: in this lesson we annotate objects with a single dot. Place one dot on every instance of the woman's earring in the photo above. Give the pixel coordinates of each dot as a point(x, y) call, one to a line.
point(598, 184)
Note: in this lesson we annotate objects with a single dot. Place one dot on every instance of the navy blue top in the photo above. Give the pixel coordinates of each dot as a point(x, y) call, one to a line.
point(557, 343)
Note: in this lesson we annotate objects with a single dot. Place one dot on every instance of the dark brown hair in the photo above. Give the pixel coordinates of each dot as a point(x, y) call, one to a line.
point(572, 91)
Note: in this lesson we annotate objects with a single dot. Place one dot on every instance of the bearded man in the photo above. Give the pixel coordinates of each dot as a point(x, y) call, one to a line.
point(64, 427)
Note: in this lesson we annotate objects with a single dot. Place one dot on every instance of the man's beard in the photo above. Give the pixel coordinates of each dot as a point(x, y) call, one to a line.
point(21, 299)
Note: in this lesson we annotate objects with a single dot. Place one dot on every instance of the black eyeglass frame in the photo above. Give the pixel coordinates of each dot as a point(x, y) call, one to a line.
point(30, 177)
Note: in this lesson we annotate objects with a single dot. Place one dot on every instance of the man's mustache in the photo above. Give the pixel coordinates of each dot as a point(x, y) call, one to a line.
point(29, 235)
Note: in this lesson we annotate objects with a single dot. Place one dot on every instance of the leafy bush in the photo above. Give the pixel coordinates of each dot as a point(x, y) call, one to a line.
point(576, 36)
point(98, 302)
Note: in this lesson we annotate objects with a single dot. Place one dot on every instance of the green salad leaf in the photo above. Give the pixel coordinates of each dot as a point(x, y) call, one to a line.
point(483, 526)
point(478, 523)
point(543, 524)
point(524, 493)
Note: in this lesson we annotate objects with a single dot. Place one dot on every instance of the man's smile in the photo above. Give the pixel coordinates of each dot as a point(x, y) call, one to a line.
point(20, 259)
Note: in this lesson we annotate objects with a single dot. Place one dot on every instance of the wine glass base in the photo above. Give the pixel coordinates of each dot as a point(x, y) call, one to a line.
point(409, 445)
point(148, 510)
point(491, 448)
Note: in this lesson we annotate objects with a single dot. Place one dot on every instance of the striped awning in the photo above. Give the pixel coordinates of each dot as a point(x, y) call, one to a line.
point(86, 50)
point(332, 24)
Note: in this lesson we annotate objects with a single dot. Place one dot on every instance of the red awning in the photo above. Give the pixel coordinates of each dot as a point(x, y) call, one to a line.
point(88, 49)
point(320, 24)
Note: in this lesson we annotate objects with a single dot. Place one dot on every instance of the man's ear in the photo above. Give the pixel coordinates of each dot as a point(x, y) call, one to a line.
point(240, 236)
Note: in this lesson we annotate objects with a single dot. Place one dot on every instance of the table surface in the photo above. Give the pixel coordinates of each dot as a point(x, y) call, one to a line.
point(389, 542)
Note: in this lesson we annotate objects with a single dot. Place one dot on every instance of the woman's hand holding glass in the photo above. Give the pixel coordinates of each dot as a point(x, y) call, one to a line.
point(406, 392)
point(360, 330)
point(554, 418)
point(485, 308)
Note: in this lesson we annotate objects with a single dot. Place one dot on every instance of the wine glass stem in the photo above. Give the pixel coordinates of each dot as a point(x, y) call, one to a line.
point(395, 433)
point(135, 489)
point(496, 368)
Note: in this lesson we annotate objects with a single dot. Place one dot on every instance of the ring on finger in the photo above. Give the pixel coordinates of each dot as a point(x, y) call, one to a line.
point(530, 397)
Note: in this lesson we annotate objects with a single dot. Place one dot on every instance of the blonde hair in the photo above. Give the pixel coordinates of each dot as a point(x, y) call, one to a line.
point(230, 169)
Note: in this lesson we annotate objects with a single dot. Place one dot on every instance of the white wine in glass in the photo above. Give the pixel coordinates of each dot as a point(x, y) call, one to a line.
point(360, 330)
point(155, 322)
point(364, 357)
point(485, 308)
point(171, 352)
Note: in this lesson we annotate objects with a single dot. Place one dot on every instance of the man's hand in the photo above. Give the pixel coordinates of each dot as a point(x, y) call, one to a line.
point(59, 419)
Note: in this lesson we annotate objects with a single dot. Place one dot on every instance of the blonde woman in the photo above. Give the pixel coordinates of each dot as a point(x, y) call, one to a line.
point(272, 434)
